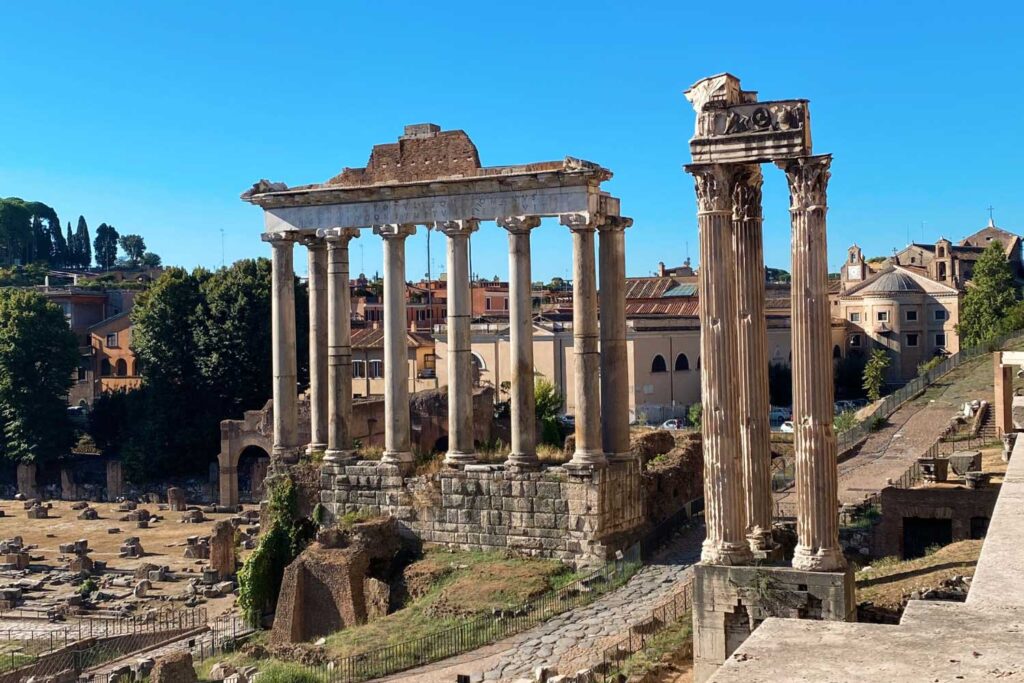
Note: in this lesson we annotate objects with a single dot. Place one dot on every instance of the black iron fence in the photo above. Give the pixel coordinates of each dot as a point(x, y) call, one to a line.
point(666, 614)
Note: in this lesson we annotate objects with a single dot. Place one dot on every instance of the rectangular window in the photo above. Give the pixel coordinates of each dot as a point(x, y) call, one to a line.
point(376, 369)
point(854, 316)
point(359, 369)
point(940, 314)
point(487, 303)
point(940, 340)
point(112, 340)
point(855, 340)
point(911, 340)
point(911, 316)
point(882, 316)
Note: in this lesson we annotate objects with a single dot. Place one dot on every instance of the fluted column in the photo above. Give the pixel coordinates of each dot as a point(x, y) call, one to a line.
point(524, 419)
point(317, 253)
point(461, 447)
point(339, 345)
point(752, 344)
point(589, 452)
point(724, 511)
point(286, 447)
point(397, 437)
point(814, 439)
point(614, 362)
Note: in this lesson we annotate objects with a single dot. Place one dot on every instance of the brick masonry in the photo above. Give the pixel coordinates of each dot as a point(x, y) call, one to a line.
point(582, 516)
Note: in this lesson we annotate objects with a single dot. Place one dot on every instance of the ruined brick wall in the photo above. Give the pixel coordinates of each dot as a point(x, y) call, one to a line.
point(957, 504)
point(552, 513)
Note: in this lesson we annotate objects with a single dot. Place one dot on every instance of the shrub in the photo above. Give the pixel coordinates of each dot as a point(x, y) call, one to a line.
point(694, 414)
point(924, 367)
point(288, 672)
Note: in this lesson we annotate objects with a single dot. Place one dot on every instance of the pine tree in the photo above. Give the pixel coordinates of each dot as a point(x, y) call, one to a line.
point(82, 244)
point(105, 245)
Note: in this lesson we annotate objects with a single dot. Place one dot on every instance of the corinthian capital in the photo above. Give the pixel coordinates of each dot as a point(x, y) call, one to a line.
point(395, 231)
point(808, 181)
point(459, 228)
point(583, 221)
point(519, 224)
point(713, 184)
point(746, 193)
point(337, 236)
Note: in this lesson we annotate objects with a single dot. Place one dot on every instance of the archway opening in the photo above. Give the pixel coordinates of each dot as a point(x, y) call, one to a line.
point(253, 462)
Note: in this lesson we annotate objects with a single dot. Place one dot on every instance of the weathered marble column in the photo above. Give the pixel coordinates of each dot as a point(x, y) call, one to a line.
point(286, 447)
point(724, 511)
point(397, 437)
point(814, 439)
point(752, 344)
point(317, 252)
point(523, 454)
point(589, 452)
point(461, 447)
point(614, 361)
point(339, 345)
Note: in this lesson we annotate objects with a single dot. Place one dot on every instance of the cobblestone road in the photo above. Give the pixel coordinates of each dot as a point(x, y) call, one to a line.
point(576, 639)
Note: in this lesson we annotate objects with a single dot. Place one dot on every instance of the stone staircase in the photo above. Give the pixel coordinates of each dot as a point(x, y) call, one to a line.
point(987, 431)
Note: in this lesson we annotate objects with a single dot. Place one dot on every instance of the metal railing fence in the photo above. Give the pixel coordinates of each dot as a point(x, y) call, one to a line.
point(664, 615)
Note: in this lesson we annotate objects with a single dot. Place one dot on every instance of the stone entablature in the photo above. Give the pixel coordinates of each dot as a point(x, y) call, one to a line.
point(579, 516)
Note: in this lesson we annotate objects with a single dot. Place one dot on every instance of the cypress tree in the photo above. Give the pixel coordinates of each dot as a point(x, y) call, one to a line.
point(83, 244)
point(71, 261)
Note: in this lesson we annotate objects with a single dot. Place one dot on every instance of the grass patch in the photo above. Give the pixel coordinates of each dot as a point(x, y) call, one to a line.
point(455, 587)
point(674, 644)
point(887, 581)
point(287, 672)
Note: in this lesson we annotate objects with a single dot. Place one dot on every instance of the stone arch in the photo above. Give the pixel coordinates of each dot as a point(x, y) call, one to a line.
point(232, 443)
point(479, 367)
point(251, 470)
point(121, 367)
point(658, 363)
point(682, 363)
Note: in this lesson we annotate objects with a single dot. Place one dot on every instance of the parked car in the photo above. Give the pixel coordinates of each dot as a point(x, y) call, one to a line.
point(779, 414)
point(673, 424)
point(787, 427)
point(567, 421)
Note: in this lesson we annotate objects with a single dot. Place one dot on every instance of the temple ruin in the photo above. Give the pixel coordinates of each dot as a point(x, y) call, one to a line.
point(734, 135)
point(583, 509)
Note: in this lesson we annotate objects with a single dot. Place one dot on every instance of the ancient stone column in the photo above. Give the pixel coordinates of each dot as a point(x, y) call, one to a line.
point(614, 362)
point(397, 437)
point(814, 439)
point(523, 454)
point(589, 452)
point(752, 345)
point(461, 447)
point(318, 332)
point(283, 340)
point(724, 511)
point(339, 345)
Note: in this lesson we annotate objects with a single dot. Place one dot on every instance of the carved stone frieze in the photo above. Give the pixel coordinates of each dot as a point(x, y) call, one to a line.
point(808, 181)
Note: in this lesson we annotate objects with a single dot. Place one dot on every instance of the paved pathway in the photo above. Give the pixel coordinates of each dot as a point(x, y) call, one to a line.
point(576, 639)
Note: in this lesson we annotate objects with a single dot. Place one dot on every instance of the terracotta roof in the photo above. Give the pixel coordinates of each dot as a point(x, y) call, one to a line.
point(678, 308)
point(648, 287)
point(373, 338)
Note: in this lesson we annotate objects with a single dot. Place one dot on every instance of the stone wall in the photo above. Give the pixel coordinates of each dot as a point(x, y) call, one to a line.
point(556, 513)
point(955, 503)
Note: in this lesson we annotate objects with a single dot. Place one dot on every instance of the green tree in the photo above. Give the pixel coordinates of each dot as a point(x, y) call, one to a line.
point(133, 246)
point(105, 245)
point(694, 413)
point(38, 354)
point(15, 231)
point(547, 405)
point(984, 313)
point(150, 260)
point(83, 245)
point(874, 373)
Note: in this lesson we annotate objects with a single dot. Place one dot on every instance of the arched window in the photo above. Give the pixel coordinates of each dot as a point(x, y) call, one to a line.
point(135, 368)
point(122, 367)
point(682, 362)
point(836, 352)
point(658, 364)
point(105, 369)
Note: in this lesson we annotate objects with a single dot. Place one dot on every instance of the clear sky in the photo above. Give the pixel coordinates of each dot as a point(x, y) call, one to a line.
point(154, 117)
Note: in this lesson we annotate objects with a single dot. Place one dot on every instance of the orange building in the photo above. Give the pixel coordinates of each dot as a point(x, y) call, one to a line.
point(115, 366)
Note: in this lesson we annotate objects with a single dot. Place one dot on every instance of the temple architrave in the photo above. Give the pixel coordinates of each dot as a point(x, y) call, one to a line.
point(740, 580)
point(431, 177)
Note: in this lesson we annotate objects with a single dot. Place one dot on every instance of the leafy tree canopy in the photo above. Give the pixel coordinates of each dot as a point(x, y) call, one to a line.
point(105, 245)
point(991, 297)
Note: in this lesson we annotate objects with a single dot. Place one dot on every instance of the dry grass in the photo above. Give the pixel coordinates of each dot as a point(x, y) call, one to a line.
point(888, 581)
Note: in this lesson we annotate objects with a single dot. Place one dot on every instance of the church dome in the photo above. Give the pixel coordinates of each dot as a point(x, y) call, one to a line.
point(892, 282)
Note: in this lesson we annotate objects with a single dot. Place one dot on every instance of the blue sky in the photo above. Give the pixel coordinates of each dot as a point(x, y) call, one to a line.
point(155, 117)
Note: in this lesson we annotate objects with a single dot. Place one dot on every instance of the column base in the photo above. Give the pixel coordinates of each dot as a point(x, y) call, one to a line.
point(522, 462)
point(459, 459)
point(761, 541)
point(820, 560)
point(728, 554)
point(315, 448)
point(405, 460)
point(620, 457)
point(341, 457)
point(588, 459)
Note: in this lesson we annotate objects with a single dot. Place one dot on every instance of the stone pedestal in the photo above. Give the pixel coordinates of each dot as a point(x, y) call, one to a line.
point(1003, 388)
point(730, 602)
point(26, 475)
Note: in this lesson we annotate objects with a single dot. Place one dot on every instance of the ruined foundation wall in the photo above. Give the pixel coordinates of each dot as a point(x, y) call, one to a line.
point(551, 513)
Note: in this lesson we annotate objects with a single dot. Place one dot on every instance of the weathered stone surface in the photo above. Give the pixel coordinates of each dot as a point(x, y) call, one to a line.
point(222, 549)
point(175, 667)
point(650, 444)
point(176, 499)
